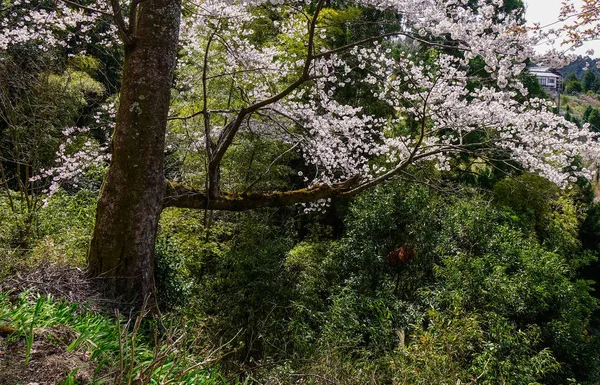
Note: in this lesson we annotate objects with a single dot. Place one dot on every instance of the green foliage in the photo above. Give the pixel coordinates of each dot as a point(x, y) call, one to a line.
point(573, 87)
point(259, 172)
point(76, 86)
point(11, 232)
point(589, 81)
point(439, 351)
point(568, 115)
point(59, 232)
point(571, 77)
point(590, 232)
point(587, 113)
point(44, 104)
point(491, 293)
point(29, 334)
point(340, 34)
point(122, 349)
point(65, 227)
point(538, 205)
point(186, 251)
point(86, 64)
point(527, 194)
point(246, 289)
point(40, 98)
point(578, 67)
point(510, 290)
point(533, 86)
point(594, 120)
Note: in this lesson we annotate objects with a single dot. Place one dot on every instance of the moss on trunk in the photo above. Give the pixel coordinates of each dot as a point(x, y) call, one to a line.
point(122, 248)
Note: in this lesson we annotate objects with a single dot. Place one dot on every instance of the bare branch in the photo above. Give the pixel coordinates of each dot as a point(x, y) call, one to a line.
point(118, 17)
point(231, 130)
point(270, 166)
point(201, 112)
point(209, 143)
point(257, 69)
point(379, 37)
point(94, 10)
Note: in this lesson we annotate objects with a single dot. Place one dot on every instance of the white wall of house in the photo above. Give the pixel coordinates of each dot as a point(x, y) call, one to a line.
point(547, 79)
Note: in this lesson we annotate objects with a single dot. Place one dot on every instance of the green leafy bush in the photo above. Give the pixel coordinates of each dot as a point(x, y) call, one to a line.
point(491, 294)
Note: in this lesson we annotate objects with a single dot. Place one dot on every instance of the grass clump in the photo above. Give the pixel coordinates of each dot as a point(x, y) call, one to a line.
point(65, 343)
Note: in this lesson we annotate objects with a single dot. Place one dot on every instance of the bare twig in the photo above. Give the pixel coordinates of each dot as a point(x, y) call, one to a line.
point(90, 9)
point(118, 17)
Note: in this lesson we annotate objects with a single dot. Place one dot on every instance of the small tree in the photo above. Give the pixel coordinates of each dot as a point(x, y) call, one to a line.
point(573, 87)
point(594, 120)
point(572, 77)
point(568, 115)
point(587, 112)
point(589, 81)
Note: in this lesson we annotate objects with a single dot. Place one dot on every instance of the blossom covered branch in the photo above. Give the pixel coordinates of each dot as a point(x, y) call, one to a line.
point(293, 79)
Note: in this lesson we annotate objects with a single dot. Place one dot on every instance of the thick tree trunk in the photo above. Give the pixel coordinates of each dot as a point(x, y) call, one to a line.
point(122, 248)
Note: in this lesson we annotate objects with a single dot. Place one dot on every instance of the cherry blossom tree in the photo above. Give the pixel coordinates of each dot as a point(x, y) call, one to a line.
point(231, 82)
point(580, 23)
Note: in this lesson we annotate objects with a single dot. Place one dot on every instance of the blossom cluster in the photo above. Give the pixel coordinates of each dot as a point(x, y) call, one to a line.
point(71, 165)
point(55, 24)
point(579, 22)
point(339, 140)
point(280, 72)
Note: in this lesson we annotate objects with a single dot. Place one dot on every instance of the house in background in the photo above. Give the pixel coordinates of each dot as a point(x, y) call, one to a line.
point(550, 79)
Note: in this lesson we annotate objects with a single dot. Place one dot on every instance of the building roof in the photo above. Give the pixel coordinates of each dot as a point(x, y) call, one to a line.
point(544, 71)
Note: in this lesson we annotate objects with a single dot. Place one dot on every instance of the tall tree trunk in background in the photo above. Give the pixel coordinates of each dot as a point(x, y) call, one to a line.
point(122, 248)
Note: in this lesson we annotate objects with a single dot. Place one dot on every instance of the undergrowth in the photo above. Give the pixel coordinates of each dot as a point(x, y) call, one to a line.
point(121, 350)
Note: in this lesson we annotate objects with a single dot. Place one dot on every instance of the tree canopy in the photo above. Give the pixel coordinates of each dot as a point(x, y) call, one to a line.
point(347, 94)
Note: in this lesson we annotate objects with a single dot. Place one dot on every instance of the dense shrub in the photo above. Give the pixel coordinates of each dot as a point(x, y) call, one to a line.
point(492, 293)
point(59, 232)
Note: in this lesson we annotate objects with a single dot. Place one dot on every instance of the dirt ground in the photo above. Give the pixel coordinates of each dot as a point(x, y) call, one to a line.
point(50, 361)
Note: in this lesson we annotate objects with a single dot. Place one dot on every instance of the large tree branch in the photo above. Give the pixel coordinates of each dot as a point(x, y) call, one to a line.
point(89, 9)
point(182, 196)
point(133, 17)
point(231, 130)
point(179, 195)
point(383, 36)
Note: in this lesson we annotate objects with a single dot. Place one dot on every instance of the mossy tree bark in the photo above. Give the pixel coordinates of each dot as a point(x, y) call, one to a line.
point(122, 247)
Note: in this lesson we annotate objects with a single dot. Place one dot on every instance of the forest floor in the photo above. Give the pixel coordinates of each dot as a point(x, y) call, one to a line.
point(52, 358)
point(51, 362)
